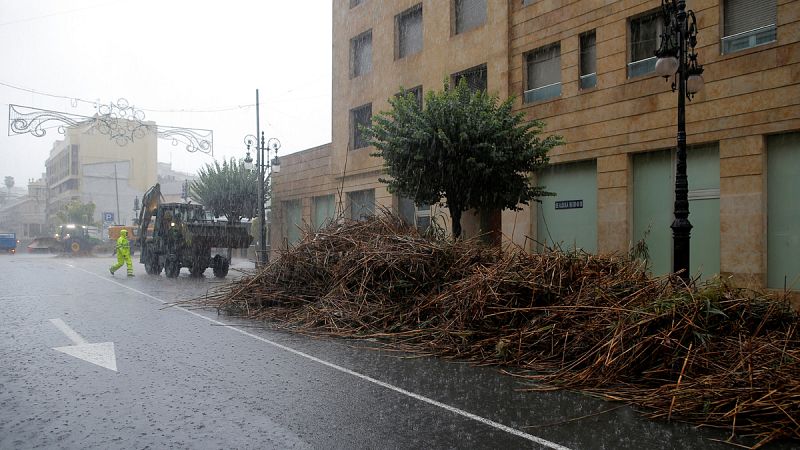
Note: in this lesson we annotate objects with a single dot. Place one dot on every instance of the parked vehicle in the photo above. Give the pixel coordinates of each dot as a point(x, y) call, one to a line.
point(75, 239)
point(8, 243)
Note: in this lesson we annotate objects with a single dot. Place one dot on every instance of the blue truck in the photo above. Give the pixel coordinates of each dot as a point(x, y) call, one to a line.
point(8, 243)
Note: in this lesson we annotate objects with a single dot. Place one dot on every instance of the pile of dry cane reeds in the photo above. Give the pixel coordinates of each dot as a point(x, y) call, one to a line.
point(712, 355)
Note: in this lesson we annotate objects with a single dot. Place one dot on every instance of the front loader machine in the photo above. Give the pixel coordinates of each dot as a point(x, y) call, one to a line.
point(74, 239)
point(176, 235)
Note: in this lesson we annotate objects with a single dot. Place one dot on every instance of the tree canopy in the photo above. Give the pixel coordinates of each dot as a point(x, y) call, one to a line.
point(227, 189)
point(464, 146)
point(77, 212)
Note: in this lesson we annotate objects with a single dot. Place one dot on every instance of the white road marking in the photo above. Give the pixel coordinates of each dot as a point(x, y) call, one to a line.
point(452, 409)
point(69, 332)
point(101, 354)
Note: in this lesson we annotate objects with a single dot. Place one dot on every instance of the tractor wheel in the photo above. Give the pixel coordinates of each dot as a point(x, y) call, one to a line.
point(73, 247)
point(197, 270)
point(150, 261)
point(221, 265)
point(172, 267)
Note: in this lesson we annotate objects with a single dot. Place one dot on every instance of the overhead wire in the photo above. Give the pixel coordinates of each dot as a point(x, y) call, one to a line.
point(75, 100)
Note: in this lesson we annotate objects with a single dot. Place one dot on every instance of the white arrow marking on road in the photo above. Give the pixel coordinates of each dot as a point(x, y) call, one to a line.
point(101, 353)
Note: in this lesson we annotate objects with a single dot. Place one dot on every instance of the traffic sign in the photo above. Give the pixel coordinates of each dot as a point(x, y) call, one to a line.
point(108, 217)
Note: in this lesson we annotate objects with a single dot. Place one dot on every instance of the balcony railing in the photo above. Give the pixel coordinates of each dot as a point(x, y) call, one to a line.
point(641, 67)
point(588, 81)
point(543, 93)
point(749, 39)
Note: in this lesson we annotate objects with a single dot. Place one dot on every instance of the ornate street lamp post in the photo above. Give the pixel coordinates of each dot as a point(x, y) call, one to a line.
point(263, 163)
point(677, 59)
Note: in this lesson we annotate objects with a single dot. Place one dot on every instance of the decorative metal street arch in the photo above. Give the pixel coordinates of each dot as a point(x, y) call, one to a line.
point(120, 121)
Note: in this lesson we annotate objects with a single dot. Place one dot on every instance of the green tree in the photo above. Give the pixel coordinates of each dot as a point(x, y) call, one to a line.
point(227, 189)
point(77, 212)
point(464, 146)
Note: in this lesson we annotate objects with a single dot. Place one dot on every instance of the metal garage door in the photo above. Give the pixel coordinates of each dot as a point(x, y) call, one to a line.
point(783, 211)
point(653, 200)
point(569, 219)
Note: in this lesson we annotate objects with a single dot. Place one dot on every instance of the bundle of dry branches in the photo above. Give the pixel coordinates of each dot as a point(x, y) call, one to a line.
point(713, 355)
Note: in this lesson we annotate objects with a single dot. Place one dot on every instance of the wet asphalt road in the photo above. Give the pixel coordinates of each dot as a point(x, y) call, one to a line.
point(193, 379)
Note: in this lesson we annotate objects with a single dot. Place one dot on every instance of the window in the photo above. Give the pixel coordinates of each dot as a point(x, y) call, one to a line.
point(475, 77)
point(362, 204)
point(748, 23)
point(354, 3)
point(361, 116)
point(324, 211)
point(416, 92)
point(469, 14)
point(645, 36)
point(588, 77)
point(293, 220)
point(409, 31)
point(544, 73)
point(418, 215)
point(74, 159)
point(361, 54)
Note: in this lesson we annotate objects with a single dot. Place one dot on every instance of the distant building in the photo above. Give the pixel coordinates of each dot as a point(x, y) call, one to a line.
point(172, 182)
point(89, 166)
point(25, 215)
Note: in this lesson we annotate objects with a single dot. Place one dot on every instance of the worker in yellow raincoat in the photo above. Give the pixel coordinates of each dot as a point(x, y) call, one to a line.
point(123, 253)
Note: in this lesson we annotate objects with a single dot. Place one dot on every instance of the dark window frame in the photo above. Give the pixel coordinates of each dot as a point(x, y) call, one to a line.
point(587, 76)
point(641, 59)
point(458, 27)
point(472, 80)
point(356, 138)
point(549, 89)
point(399, 22)
point(357, 44)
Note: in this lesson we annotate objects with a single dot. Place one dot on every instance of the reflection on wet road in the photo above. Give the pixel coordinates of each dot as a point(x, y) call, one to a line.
point(189, 378)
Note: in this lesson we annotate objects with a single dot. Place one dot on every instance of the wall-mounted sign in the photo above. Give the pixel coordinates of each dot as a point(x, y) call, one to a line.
point(569, 204)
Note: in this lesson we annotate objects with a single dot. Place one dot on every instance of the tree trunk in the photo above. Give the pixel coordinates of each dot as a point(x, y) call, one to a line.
point(455, 216)
point(492, 226)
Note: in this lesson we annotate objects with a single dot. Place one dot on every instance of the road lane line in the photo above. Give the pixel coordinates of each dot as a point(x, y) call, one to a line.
point(76, 338)
point(452, 409)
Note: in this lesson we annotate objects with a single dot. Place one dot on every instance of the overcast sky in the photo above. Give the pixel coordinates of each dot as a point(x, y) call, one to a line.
point(174, 59)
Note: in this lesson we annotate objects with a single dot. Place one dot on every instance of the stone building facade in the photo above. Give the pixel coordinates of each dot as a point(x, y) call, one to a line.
point(586, 69)
point(89, 166)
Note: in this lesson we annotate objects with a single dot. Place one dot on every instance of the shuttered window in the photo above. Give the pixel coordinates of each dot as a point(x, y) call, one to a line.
point(747, 15)
point(748, 23)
